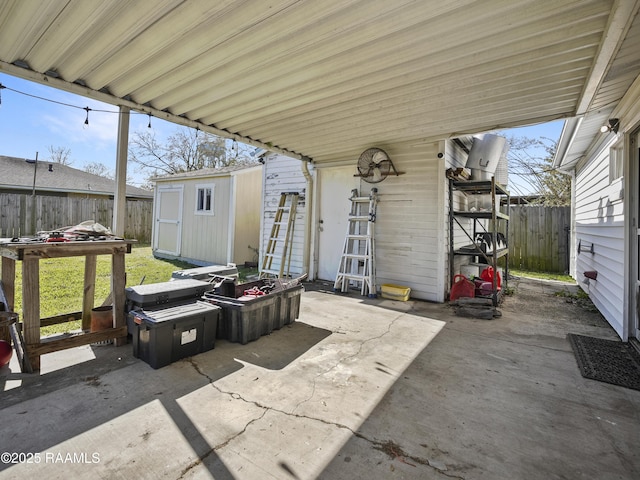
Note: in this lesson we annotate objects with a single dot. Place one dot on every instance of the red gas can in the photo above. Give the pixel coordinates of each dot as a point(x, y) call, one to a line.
point(462, 287)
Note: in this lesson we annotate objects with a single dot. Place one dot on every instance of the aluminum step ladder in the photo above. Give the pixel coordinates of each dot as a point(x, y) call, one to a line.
point(277, 258)
point(357, 265)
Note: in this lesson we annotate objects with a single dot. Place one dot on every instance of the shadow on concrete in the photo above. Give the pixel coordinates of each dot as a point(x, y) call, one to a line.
point(108, 401)
point(280, 348)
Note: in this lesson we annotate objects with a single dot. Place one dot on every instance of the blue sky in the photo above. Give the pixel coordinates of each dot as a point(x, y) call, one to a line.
point(29, 125)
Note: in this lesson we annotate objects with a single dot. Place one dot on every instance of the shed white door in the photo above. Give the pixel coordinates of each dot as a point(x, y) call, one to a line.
point(336, 185)
point(168, 229)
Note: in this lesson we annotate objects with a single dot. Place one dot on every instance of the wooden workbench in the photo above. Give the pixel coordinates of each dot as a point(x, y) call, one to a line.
point(30, 253)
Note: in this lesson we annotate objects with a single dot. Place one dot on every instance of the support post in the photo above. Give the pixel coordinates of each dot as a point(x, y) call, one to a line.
point(120, 196)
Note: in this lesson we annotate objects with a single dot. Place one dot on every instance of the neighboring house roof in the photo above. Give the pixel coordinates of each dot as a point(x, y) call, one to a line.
point(208, 172)
point(581, 134)
point(324, 82)
point(17, 174)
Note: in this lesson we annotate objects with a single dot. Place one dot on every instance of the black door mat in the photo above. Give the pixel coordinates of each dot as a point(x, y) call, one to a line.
point(609, 361)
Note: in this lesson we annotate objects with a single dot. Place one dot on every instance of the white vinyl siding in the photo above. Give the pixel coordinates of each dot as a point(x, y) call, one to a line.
point(284, 174)
point(410, 224)
point(599, 222)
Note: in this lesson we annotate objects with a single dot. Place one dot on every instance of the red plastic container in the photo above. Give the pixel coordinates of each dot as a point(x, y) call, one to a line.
point(462, 287)
point(483, 288)
point(5, 352)
point(487, 276)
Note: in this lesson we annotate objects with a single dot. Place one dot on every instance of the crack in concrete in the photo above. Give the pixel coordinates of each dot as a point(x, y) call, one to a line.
point(374, 443)
point(212, 450)
point(343, 359)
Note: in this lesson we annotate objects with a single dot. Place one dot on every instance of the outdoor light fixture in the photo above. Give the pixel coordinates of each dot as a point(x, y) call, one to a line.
point(613, 126)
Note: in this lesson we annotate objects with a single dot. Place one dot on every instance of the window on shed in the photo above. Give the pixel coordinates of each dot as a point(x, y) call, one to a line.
point(204, 199)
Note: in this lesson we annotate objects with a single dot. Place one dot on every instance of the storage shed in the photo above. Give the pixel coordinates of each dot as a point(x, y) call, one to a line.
point(209, 216)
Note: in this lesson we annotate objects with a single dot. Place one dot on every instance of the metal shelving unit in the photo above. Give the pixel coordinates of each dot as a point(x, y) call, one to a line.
point(486, 221)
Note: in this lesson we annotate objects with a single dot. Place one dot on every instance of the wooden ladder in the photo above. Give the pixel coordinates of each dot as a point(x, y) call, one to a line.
point(277, 258)
point(357, 264)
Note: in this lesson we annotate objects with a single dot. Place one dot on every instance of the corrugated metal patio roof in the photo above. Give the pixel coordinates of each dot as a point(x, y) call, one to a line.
point(324, 79)
point(582, 133)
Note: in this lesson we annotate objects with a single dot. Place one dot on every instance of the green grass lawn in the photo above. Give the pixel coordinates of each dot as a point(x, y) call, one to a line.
point(62, 279)
point(541, 275)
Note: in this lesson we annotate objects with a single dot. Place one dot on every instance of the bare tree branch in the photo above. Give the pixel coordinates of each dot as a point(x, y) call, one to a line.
point(185, 150)
point(530, 159)
point(59, 155)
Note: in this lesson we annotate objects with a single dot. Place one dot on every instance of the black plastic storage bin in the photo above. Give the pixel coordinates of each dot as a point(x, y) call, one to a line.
point(244, 319)
point(164, 294)
point(163, 335)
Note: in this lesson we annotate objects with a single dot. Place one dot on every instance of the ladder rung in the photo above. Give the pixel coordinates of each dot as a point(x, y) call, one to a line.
point(359, 218)
point(361, 199)
point(353, 236)
point(352, 276)
point(272, 272)
point(356, 255)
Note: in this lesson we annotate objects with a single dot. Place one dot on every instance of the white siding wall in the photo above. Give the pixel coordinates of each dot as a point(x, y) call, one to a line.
point(410, 226)
point(599, 220)
point(283, 174)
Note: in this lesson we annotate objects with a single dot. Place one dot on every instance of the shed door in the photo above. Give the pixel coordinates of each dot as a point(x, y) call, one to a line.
point(168, 222)
point(336, 185)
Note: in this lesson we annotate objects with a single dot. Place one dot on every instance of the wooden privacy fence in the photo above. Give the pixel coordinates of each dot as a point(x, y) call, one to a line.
point(539, 238)
point(22, 215)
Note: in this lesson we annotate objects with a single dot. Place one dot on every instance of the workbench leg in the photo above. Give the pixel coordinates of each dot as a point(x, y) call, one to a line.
point(31, 307)
point(7, 292)
point(89, 292)
point(118, 281)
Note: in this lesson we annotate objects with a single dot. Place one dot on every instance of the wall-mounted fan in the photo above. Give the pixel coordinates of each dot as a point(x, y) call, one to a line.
point(374, 165)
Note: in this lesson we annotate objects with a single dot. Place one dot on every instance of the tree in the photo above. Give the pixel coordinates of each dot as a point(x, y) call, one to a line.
point(96, 168)
point(185, 150)
point(59, 155)
point(531, 160)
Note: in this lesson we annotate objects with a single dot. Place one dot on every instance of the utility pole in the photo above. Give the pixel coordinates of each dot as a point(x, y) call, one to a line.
point(33, 197)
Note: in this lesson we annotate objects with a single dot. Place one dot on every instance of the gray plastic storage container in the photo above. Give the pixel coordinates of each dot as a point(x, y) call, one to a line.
point(165, 293)
point(163, 335)
point(244, 319)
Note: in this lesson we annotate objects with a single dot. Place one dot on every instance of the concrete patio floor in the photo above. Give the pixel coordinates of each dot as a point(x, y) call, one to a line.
point(355, 389)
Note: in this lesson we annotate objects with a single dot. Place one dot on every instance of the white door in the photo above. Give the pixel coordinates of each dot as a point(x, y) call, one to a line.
point(168, 221)
point(335, 190)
